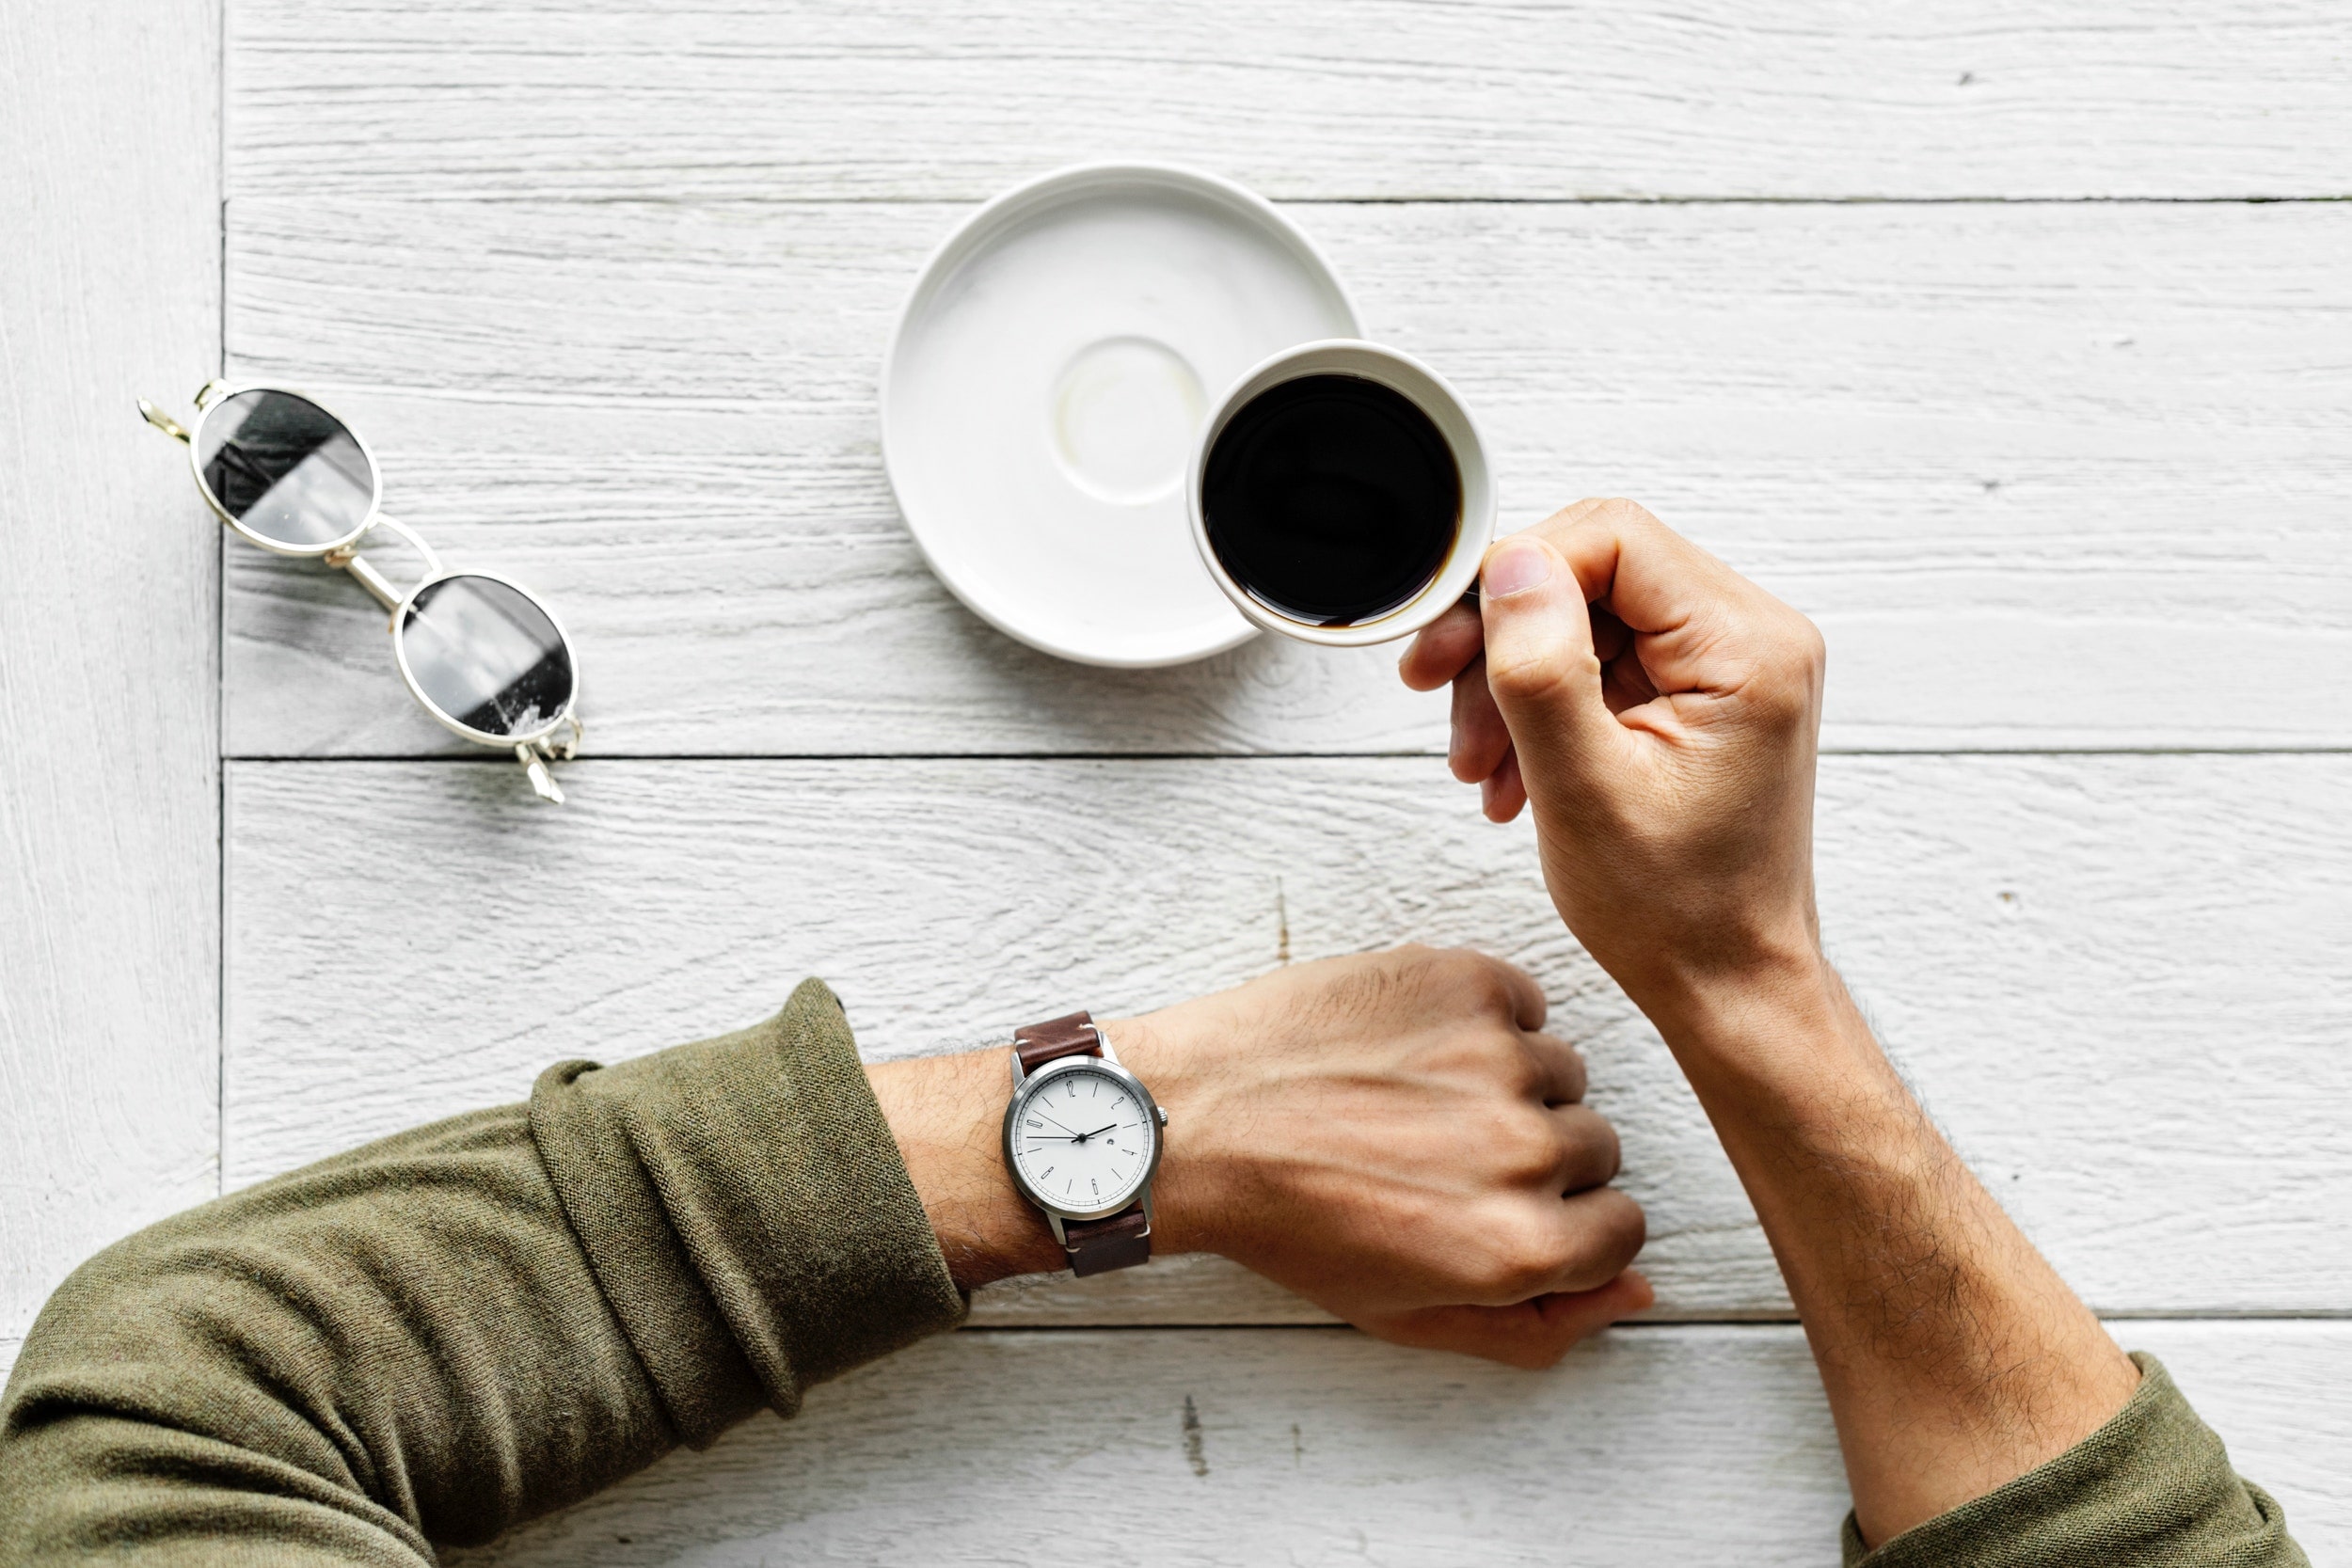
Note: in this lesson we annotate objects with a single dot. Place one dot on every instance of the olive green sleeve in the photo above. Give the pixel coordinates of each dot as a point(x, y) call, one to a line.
point(2151, 1489)
point(426, 1341)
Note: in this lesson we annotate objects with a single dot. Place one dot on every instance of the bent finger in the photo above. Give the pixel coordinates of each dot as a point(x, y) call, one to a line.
point(1503, 791)
point(1697, 625)
point(1528, 1005)
point(1590, 1155)
point(1560, 1075)
point(1479, 736)
point(1603, 1230)
point(1443, 648)
point(1533, 1335)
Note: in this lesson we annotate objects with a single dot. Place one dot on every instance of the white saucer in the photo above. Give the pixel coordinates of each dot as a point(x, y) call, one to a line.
point(1044, 382)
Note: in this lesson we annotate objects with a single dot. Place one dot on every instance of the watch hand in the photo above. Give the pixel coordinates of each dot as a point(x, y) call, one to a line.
point(1105, 1127)
point(1050, 1119)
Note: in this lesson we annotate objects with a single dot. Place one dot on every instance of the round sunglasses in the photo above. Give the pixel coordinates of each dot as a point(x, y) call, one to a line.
point(485, 658)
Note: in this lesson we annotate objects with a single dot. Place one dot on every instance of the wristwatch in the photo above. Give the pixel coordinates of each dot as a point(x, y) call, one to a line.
point(1082, 1139)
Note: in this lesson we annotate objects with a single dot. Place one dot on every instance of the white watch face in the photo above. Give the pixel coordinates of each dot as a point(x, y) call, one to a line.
point(1083, 1140)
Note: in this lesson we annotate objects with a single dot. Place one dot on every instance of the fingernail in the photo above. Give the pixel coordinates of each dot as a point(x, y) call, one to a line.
point(1515, 569)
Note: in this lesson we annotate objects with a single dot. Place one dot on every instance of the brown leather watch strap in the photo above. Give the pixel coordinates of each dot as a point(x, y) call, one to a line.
point(1071, 1035)
point(1097, 1246)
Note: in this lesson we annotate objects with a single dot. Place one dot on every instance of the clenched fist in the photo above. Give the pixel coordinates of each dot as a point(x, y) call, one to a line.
point(1392, 1135)
point(1395, 1137)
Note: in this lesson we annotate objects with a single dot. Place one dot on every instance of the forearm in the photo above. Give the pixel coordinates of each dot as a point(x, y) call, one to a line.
point(430, 1338)
point(1954, 1357)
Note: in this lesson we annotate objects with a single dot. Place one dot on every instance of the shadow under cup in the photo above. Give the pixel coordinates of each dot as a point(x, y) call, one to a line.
point(1340, 495)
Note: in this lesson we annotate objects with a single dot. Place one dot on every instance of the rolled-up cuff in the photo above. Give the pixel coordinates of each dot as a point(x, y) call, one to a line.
point(745, 1210)
point(2152, 1486)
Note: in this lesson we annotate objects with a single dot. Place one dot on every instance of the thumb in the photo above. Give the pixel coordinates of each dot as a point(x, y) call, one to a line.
point(1534, 1334)
point(1541, 668)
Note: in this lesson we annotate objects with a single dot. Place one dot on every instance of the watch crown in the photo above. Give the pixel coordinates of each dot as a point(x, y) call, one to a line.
point(1162, 1111)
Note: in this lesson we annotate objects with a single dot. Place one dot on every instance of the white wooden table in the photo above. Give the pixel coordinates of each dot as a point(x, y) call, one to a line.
point(2007, 339)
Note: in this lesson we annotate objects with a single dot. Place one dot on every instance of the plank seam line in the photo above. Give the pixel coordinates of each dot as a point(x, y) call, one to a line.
point(220, 622)
point(655, 200)
point(1638, 1325)
point(285, 759)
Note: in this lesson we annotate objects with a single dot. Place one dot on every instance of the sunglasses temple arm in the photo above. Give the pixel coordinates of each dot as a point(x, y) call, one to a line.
point(163, 421)
point(542, 780)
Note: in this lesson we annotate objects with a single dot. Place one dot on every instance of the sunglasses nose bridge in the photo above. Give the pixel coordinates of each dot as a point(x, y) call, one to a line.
point(372, 577)
point(387, 592)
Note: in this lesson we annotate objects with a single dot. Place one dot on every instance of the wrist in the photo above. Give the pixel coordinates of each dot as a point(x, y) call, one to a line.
point(1779, 1029)
point(1176, 1054)
point(947, 1115)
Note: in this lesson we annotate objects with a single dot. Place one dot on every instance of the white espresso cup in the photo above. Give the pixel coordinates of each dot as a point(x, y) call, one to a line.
point(1428, 392)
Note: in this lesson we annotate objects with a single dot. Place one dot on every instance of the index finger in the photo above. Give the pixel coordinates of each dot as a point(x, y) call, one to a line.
point(1528, 1005)
point(1450, 644)
point(1443, 648)
point(1685, 608)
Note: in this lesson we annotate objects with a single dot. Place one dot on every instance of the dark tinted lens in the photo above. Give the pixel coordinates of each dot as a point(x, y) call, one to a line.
point(486, 656)
point(285, 468)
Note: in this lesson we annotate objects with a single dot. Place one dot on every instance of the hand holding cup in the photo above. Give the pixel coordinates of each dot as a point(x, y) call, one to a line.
point(1661, 713)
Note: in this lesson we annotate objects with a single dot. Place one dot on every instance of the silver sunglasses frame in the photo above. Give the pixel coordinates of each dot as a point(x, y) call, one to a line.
point(534, 750)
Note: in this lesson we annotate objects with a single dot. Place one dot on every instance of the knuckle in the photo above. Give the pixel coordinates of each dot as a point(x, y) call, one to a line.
point(1526, 1075)
point(1469, 980)
point(1812, 647)
point(1521, 1272)
point(1528, 679)
point(1488, 983)
point(1787, 688)
point(1521, 1258)
point(1789, 667)
point(1526, 1148)
point(1416, 955)
point(1630, 514)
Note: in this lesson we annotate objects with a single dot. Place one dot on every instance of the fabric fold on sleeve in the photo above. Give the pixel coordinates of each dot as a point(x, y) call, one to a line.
point(743, 1205)
point(2152, 1486)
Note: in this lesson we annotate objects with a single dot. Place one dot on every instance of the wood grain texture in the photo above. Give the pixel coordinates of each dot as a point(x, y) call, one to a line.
point(2048, 476)
point(2118, 981)
point(109, 606)
point(1654, 1445)
point(1386, 98)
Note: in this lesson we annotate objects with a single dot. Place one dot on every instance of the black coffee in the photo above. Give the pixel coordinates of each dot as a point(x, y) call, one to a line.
point(1331, 499)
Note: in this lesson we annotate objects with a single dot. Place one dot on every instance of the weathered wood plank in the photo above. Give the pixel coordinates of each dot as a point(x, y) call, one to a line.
point(2049, 476)
point(1657, 1444)
point(109, 629)
point(2118, 980)
point(1390, 99)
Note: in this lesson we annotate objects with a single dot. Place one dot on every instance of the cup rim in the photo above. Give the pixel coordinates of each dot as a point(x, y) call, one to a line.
point(1454, 576)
